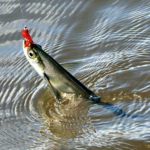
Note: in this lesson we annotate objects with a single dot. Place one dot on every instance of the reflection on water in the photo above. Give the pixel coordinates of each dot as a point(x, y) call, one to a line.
point(105, 44)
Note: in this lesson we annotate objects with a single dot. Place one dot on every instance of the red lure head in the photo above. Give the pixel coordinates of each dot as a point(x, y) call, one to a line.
point(27, 37)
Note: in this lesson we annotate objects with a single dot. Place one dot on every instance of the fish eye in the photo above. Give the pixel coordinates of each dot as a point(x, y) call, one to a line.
point(31, 54)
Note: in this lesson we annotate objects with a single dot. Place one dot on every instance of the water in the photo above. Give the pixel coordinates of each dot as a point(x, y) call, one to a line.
point(105, 44)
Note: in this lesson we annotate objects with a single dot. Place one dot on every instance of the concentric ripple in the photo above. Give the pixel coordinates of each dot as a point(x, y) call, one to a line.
point(105, 44)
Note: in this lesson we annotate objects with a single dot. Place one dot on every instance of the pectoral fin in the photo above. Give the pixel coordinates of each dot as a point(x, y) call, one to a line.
point(54, 91)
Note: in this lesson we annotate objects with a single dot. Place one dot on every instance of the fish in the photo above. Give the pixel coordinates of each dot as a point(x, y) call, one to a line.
point(62, 83)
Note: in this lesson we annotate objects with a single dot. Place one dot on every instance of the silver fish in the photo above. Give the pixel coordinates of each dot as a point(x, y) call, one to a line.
point(61, 82)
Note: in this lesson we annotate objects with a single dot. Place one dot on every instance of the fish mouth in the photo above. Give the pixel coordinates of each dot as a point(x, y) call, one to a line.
point(25, 49)
point(24, 43)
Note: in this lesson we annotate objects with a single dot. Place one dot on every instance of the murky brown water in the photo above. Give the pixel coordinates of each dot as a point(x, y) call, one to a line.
point(106, 45)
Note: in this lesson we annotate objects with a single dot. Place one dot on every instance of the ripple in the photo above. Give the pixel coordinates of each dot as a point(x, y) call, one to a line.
point(105, 45)
point(65, 120)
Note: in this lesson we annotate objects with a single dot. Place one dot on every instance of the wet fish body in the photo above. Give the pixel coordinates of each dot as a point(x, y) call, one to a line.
point(60, 81)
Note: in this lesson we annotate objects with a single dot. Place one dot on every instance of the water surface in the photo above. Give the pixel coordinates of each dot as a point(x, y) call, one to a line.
point(106, 45)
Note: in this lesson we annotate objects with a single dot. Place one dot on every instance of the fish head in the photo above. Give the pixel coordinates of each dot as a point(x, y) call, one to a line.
point(32, 54)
